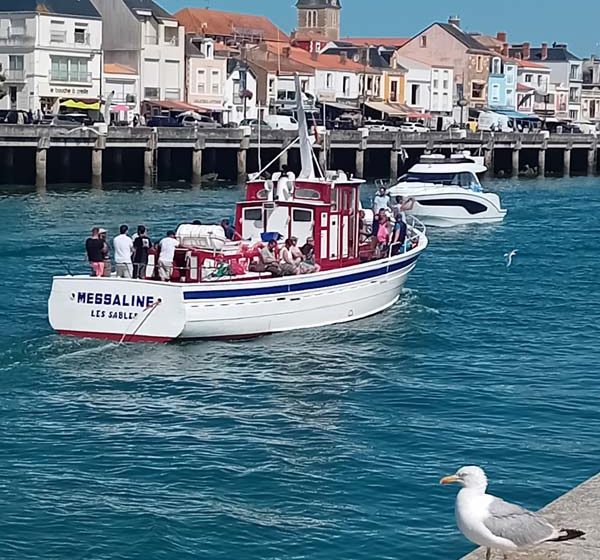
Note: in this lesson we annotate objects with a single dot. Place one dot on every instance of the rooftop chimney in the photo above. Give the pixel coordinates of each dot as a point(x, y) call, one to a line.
point(454, 20)
point(501, 36)
point(544, 51)
point(505, 50)
point(526, 49)
point(343, 57)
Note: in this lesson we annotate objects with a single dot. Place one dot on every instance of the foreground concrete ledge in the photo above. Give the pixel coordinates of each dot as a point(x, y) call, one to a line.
point(577, 509)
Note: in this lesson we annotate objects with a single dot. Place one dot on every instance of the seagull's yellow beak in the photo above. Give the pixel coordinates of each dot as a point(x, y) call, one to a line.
point(449, 479)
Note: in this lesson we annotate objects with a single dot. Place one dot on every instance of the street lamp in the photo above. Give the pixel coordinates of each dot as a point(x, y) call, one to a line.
point(462, 103)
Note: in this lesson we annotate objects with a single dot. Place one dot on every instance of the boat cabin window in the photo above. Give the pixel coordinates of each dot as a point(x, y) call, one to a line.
point(463, 179)
point(310, 194)
point(253, 214)
point(302, 216)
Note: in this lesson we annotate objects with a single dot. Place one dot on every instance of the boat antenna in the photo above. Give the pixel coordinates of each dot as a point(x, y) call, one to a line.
point(259, 115)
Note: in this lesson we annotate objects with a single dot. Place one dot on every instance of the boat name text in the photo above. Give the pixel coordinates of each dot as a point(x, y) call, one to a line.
point(121, 300)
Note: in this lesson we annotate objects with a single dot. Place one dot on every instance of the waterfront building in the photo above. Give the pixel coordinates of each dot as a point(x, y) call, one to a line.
point(241, 92)
point(447, 45)
point(275, 70)
point(565, 72)
point(318, 20)
point(123, 82)
point(143, 36)
point(535, 95)
point(590, 94)
point(50, 51)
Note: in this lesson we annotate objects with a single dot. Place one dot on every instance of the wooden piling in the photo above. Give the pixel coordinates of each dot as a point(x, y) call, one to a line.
point(516, 160)
point(542, 162)
point(40, 168)
point(592, 163)
point(567, 162)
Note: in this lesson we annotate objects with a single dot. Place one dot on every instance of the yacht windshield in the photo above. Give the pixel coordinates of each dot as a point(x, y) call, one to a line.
point(462, 179)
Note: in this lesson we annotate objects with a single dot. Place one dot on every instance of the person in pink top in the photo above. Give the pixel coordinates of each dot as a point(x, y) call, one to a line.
point(383, 234)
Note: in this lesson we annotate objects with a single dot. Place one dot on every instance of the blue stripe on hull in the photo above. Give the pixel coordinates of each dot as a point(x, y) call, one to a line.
point(290, 288)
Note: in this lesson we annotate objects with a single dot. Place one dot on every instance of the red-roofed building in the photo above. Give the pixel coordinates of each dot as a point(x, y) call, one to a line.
point(392, 42)
point(229, 27)
point(124, 83)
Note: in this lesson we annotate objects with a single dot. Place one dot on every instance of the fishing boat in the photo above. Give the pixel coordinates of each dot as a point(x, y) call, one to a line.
point(218, 288)
point(446, 191)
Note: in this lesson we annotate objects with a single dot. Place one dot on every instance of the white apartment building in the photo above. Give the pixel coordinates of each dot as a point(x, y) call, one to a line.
point(141, 35)
point(50, 51)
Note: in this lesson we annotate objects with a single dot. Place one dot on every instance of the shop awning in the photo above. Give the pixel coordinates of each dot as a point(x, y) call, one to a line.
point(81, 104)
point(341, 106)
point(390, 109)
point(512, 114)
point(172, 105)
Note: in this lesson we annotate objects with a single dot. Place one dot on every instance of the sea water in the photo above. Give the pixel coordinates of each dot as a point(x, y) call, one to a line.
point(318, 444)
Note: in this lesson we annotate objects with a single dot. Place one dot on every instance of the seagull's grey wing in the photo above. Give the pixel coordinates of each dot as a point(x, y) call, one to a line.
point(512, 522)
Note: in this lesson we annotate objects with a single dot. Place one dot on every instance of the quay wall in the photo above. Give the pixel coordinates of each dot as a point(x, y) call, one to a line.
point(41, 155)
point(577, 509)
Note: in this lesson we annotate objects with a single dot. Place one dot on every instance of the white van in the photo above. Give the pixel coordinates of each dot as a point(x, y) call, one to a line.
point(490, 121)
point(281, 122)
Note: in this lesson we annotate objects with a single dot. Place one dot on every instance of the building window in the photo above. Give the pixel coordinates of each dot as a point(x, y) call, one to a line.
point(573, 95)
point(539, 80)
point(414, 94)
point(346, 86)
point(16, 67)
point(172, 93)
point(215, 81)
point(423, 41)
point(509, 76)
point(329, 81)
point(58, 35)
point(573, 114)
point(495, 93)
point(477, 90)
point(574, 75)
point(436, 84)
point(65, 69)
point(271, 91)
point(394, 91)
point(201, 81)
point(151, 93)
point(171, 36)
point(496, 66)
point(435, 102)
point(479, 63)
point(17, 27)
point(528, 78)
point(312, 18)
point(81, 36)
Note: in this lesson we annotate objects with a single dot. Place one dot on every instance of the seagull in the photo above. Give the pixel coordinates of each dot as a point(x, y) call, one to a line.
point(491, 522)
point(509, 257)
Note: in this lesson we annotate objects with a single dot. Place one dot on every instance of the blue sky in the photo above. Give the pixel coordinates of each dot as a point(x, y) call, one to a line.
point(575, 22)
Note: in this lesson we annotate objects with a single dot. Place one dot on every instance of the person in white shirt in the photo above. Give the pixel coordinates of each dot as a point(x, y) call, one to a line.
point(167, 254)
point(123, 246)
point(381, 200)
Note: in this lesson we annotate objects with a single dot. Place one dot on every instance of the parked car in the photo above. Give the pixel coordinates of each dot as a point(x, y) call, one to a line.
point(70, 120)
point(196, 120)
point(381, 126)
point(253, 124)
point(345, 123)
point(413, 127)
point(163, 120)
point(281, 122)
point(14, 116)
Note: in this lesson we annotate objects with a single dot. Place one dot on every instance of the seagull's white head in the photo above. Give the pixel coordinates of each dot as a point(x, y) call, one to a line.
point(468, 477)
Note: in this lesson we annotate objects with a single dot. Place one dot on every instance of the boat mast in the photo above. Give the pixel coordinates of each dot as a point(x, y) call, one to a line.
point(306, 152)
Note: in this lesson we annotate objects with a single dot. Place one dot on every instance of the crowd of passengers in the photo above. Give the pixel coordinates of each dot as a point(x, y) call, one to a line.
point(288, 261)
point(389, 229)
point(131, 252)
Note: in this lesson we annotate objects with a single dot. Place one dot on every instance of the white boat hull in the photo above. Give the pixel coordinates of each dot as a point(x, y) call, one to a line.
point(154, 311)
point(439, 206)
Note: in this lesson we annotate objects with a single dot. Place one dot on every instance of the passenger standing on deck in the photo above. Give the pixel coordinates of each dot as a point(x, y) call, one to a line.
point(383, 235)
point(398, 234)
point(141, 247)
point(167, 255)
point(123, 246)
point(106, 252)
point(381, 201)
point(93, 248)
point(229, 231)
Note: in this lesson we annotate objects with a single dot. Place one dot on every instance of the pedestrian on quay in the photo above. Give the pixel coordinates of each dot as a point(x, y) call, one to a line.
point(123, 247)
point(167, 255)
point(141, 247)
point(93, 248)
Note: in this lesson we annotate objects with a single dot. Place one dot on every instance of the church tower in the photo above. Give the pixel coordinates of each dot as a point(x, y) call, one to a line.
point(320, 17)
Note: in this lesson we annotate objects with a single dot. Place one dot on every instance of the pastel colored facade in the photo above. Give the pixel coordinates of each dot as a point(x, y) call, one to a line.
point(240, 77)
point(143, 36)
point(205, 75)
point(590, 95)
point(123, 83)
point(535, 94)
point(318, 17)
point(502, 83)
point(446, 45)
point(46, 56)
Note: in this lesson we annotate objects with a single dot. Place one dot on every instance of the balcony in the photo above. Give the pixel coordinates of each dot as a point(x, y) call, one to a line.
point(17, 41)
point(14, 76)
point(72, 77)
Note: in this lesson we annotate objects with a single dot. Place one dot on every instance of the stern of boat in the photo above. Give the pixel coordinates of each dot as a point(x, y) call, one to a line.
point(117, 309)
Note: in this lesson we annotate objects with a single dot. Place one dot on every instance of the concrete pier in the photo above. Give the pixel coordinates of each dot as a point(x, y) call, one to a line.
point(136, 154)
point(578, 509)
point(41, 156)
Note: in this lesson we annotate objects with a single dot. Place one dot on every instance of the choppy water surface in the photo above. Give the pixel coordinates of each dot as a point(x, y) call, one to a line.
point(321, 444)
